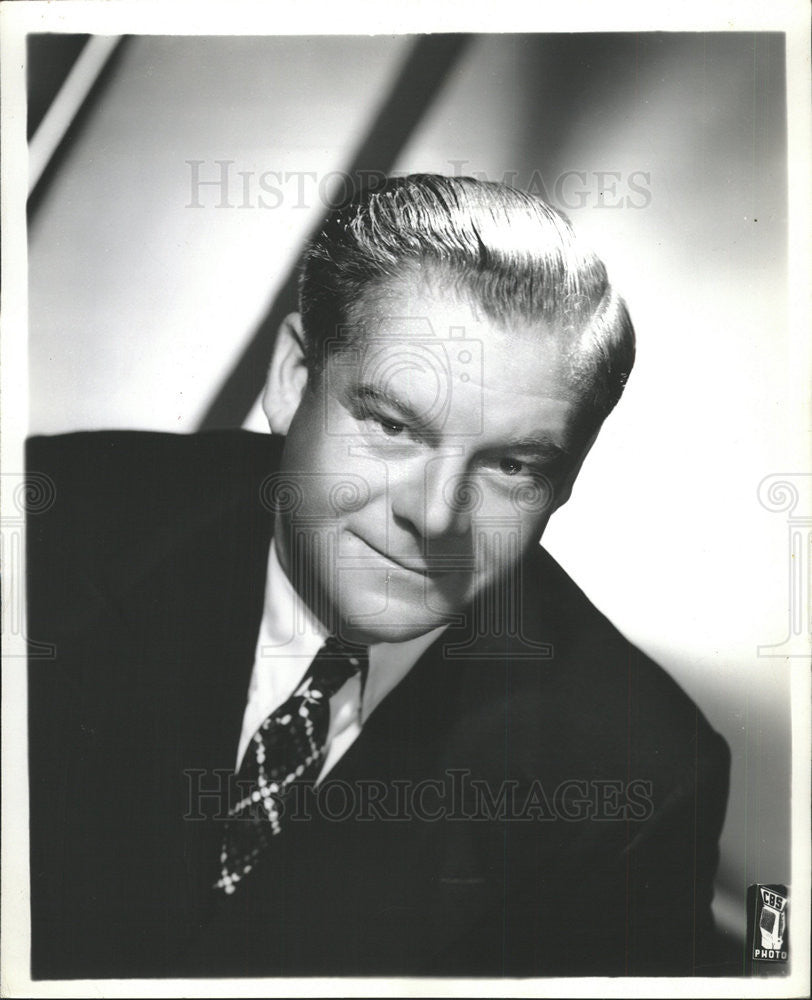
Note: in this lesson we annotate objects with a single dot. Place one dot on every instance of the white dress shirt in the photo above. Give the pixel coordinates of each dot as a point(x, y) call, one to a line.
point(289, 638)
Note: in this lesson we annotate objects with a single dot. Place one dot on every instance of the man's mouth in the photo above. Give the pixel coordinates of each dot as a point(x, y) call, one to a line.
point(416, 565)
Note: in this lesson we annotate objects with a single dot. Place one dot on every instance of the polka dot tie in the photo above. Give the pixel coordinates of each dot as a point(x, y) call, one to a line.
point(290, 745)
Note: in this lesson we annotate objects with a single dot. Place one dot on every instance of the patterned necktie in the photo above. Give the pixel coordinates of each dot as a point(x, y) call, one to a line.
point(290, 744)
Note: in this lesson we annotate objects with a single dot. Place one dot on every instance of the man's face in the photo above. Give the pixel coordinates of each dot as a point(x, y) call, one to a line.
point(421, 463)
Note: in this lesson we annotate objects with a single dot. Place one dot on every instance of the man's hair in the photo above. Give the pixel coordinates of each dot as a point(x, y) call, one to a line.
point(516, 256)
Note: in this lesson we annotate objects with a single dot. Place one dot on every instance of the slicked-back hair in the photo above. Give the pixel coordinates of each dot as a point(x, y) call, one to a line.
point(514, 255)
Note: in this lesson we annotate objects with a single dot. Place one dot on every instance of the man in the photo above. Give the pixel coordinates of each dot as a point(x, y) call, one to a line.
point(321, 704)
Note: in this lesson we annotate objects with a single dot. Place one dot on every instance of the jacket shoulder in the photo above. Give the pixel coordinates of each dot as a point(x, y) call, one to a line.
point(590, 686)
point(105, 464)
point(120, 502)
point(143, 475)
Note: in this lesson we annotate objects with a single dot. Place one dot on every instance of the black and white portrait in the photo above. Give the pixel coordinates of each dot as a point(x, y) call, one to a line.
point(406, 501)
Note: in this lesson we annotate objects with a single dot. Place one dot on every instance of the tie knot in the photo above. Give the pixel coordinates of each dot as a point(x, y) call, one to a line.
point(335, 663)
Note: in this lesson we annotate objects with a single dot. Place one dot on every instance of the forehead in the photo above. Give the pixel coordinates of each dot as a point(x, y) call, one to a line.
point(440, 352)
point(421, 309)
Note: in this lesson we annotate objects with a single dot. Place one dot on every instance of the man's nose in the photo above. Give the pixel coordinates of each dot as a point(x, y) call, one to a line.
point(436, 498)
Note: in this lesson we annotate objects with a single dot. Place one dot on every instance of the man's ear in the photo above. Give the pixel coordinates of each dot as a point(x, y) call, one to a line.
point(287, 375)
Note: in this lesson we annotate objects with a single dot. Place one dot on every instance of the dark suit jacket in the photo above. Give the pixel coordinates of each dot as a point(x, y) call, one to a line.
point(560, 798)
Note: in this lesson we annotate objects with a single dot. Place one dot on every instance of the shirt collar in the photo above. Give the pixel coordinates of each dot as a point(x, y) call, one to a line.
point(292, 627)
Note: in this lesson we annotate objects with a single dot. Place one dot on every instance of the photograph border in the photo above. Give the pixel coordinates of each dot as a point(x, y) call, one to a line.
point(17, 19)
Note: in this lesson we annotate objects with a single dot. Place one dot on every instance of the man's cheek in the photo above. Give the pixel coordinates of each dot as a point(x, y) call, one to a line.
point(500, 545)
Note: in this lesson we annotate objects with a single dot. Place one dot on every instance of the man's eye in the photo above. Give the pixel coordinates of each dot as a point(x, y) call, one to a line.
point(391, 428)
point(511, 466)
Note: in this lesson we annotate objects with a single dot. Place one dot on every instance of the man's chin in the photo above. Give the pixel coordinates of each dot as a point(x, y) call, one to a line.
point(368, 634)
point(393, 623)
point(394, 606)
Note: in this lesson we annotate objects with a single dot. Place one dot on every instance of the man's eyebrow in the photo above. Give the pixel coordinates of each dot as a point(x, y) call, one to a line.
point(538, 444)
point(368, 392)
